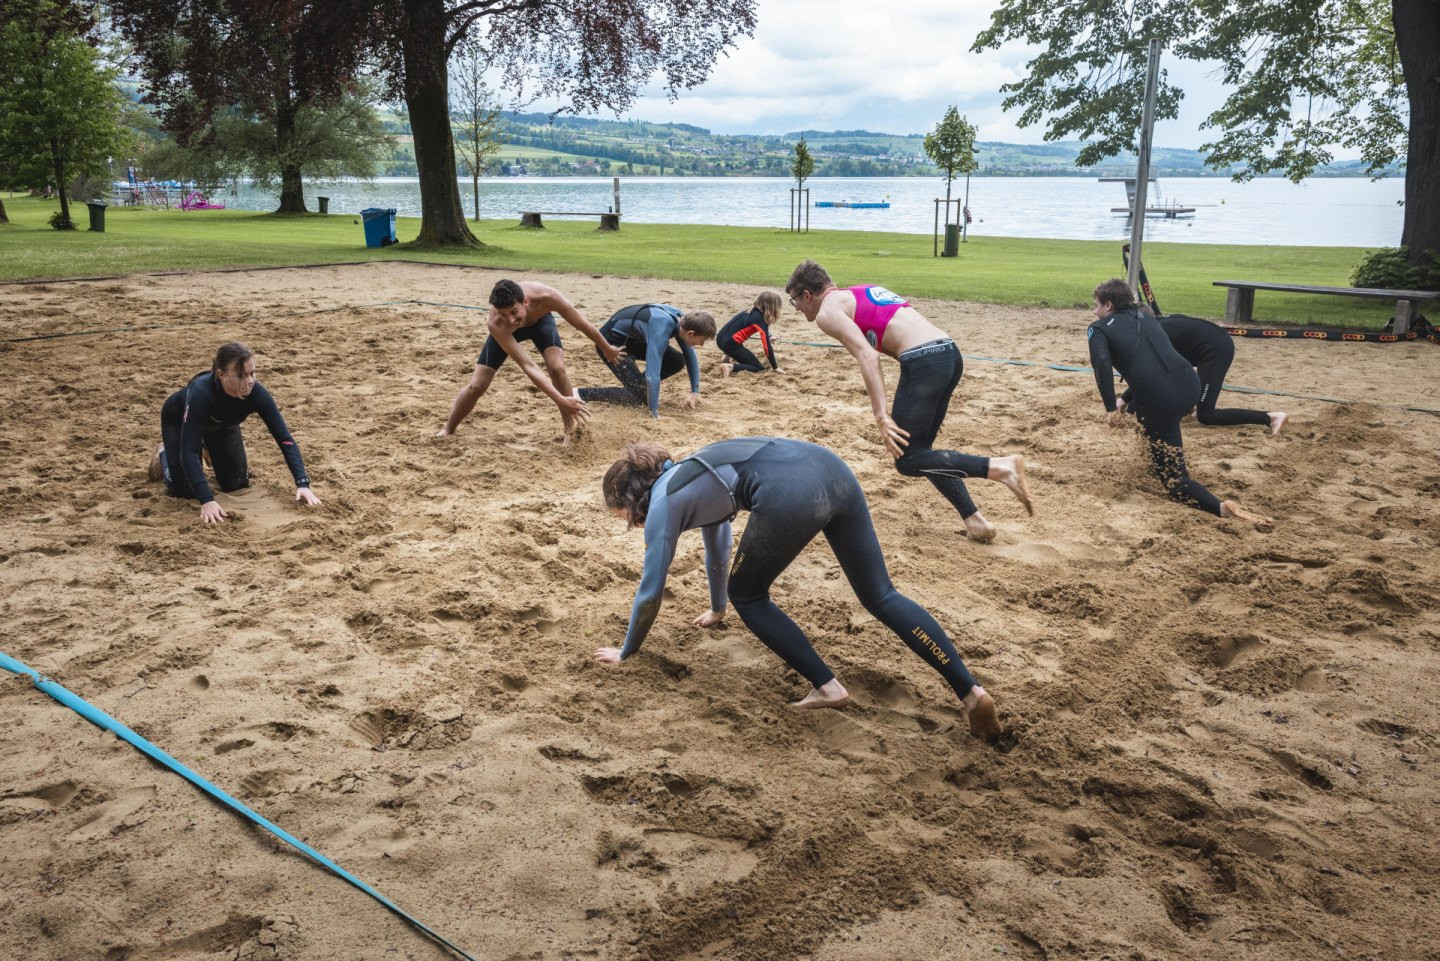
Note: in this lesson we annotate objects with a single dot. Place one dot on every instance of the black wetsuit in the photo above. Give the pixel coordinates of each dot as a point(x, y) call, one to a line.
point(644, 330)
point(1163, 389)
point(201, 414)
point(929, 374)
point(1210, 351)
point(732, 337)
point(543, 334)
point(793, 491)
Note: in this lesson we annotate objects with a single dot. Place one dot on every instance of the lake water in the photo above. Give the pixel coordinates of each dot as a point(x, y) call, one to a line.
point(1350, 212)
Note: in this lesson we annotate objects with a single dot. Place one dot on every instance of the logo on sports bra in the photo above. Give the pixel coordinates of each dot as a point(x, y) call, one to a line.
point(883, 297)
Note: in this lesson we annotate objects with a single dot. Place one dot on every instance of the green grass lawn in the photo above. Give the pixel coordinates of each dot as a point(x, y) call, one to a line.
point(1001, 270)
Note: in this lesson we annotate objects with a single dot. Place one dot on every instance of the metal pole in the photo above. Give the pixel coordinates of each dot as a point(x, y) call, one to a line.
point(1142, 172)
point(935, 236)
point(965, 212)
point(617, 195)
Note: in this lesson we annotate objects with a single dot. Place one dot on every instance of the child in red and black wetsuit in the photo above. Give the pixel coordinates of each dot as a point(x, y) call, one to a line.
point(744, 325)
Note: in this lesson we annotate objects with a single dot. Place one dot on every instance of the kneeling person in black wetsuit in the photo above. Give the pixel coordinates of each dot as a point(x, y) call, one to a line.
point(1163, 389)
point(205, 415)
point(645, 330)
point(793, 491)
point(1207, 348)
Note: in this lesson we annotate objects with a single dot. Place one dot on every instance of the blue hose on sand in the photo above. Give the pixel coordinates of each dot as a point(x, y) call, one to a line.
point(105, 722)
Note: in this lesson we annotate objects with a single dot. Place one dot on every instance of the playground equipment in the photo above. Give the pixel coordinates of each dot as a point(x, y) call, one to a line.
point(195, 200)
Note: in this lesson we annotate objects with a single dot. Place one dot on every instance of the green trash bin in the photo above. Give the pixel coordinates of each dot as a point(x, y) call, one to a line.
point(97, 217)
point(952, 241)
point(324, 204)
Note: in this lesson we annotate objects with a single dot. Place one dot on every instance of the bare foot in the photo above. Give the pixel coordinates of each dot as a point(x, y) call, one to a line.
point(727, 368)
point(444, 432)
point(830, 694)
point(984, 719)
point(1233, 509)
point(977, 528)
point(1010, 471)
point(1277, 421)
point(157, 470)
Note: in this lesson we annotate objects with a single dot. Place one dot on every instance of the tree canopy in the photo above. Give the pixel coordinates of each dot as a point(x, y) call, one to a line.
point(803, 165)
point(1304, 77)
point(587, 54)
point(951, 147)
point(59, 106)
point(264, 87)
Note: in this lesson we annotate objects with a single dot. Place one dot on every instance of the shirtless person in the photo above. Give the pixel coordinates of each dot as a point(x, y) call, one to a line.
point(870, 320)
point(526, 311)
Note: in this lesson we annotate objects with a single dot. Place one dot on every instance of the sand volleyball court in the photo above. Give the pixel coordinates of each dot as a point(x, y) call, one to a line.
point(1227, 737)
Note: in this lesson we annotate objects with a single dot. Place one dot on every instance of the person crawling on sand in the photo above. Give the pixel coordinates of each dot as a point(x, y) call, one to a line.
point(744, 325)
point(1163, 389)
point(205, 416)
point(526, 311)
point(871, 320)
point(1207, 348)
point(645, 330)
point(793, 491)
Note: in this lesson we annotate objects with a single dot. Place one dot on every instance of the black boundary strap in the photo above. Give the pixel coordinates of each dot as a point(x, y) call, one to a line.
point(1422, 328)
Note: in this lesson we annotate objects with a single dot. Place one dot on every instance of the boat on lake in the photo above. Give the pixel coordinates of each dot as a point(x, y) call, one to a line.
point(852, 204)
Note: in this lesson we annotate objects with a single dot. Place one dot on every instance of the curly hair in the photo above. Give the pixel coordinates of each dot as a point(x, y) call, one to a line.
point(506, 293)
point(628, 482)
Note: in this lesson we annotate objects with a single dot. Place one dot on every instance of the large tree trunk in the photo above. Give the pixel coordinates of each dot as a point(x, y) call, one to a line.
point(1417, 35)
point(4, 219)
point(427, 94)
point(292, 185)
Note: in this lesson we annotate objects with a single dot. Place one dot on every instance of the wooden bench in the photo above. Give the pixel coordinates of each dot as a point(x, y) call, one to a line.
point(1240, 300)
point(531, 218)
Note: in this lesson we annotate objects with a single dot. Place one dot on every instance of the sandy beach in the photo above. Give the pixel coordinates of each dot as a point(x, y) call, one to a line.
point(1226, 738)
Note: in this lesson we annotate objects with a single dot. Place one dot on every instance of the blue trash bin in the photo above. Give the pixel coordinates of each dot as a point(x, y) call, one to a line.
point(379, 226)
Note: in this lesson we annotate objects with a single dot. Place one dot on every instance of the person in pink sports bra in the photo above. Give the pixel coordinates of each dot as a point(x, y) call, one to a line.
point(868, 321)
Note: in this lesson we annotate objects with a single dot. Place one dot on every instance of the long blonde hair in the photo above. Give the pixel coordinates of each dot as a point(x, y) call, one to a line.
point(769, 304)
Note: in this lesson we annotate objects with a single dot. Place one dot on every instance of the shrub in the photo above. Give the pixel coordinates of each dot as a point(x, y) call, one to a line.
point(61, 222)
point(1391, 267)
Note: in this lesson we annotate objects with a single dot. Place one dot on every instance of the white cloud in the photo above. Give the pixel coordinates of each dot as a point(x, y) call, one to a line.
point(889, 67)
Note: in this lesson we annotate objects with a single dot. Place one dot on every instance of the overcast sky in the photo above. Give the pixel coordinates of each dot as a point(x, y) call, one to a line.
point(889, 67)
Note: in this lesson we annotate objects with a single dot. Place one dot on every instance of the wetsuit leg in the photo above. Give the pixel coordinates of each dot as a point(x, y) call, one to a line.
point(633, 391)
point(922, 399)
point(171, 424)
point(1167, 458)
point(744, 360)
point(1212, 378)
point(774, 536)
point(852, 537)
point(227, 456)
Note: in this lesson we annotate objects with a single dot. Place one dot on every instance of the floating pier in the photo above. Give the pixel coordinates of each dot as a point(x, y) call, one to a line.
point(1162, 208)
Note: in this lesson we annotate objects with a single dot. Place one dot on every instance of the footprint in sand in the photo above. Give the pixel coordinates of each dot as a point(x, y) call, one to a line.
point(1300, 770)
point(840, 734)
point(46, 798)
point(260, 784)
point(112, 815)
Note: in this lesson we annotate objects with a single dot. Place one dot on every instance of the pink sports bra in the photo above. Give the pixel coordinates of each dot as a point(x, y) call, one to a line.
point(874, 306)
